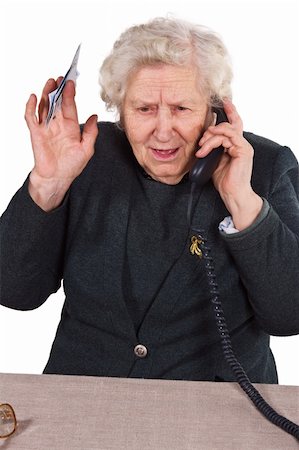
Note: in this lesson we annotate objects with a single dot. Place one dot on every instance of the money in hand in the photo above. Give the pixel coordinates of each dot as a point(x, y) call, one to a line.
point(55, 97)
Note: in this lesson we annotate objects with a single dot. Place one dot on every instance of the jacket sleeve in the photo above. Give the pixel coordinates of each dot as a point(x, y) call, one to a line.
point(267, 254)
point(32, 250)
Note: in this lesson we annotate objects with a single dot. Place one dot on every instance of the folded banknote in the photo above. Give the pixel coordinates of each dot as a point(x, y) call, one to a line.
point(55, 97)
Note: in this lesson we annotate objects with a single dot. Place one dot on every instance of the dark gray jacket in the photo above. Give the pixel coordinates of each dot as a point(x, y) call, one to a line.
point(85, 243)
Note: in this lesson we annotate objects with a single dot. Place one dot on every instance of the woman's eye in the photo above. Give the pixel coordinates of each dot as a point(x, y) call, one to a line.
point(181, 108)
point(144, 109)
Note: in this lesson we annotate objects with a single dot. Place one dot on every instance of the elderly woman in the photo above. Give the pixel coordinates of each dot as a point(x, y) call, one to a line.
point(105, 210)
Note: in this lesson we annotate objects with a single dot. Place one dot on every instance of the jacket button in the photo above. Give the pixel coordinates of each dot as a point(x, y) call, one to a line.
point(140, 351)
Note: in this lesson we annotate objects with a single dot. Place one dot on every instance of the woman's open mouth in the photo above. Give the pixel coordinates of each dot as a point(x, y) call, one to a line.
point(164, 154)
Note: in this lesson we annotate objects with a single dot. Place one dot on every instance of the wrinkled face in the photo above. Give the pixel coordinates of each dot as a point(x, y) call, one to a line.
point(164, 113)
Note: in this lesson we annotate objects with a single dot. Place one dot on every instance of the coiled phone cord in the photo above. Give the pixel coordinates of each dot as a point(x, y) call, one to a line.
point(238, 371)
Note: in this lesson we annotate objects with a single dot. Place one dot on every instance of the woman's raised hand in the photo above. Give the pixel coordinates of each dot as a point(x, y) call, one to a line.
point(60, 150)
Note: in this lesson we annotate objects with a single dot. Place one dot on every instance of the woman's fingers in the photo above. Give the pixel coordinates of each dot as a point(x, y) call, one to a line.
point(58, 81)
point(228, 134)
point(43, 106)
point(90, 132)
point(69, 108)
point(212, 141)
point(30, 115)
point(233, 115)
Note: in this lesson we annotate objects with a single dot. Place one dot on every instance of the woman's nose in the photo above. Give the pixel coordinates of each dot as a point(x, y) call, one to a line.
point(164, 125)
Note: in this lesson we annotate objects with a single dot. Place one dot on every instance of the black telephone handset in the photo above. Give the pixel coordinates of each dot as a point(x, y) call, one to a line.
point(203, 169)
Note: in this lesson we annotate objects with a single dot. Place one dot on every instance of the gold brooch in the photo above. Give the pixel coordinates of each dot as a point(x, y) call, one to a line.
point(194, 247)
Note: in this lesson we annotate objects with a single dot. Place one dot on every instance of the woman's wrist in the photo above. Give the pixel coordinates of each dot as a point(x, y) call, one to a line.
point(244, 209)
point(48, 194)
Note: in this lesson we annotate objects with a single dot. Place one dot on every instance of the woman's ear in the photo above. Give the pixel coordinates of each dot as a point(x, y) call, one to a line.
point(210, 119)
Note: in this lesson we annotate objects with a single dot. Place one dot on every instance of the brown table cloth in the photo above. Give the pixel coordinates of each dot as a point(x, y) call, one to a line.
point(89, 413)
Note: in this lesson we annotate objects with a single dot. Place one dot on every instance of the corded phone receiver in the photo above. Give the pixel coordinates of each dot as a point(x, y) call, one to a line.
point(203, 169)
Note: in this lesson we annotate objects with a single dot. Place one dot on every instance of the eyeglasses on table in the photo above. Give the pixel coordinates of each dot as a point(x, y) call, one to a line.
point(8, 421)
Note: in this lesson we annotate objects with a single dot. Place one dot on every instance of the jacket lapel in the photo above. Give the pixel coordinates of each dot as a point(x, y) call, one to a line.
point(186, 268)
point(115, 248)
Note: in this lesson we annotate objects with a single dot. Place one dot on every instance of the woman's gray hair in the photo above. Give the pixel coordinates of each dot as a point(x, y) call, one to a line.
point(167, 41)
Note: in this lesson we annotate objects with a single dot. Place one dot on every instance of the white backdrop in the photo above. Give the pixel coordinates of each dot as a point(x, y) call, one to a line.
point(38, 40)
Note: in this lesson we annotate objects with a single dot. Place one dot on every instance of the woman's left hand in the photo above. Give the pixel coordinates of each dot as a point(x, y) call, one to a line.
point(232, 178)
